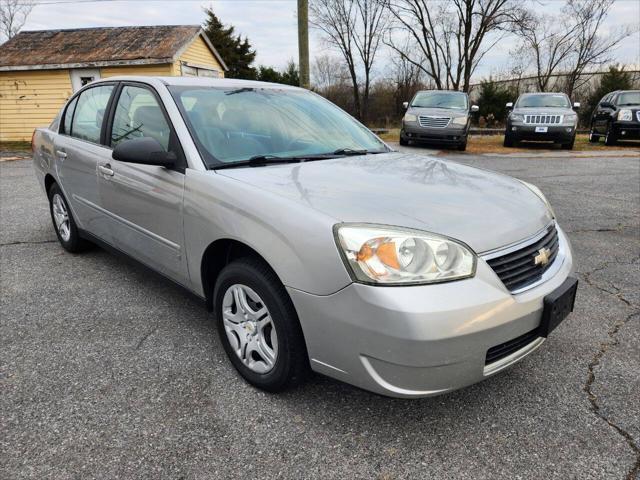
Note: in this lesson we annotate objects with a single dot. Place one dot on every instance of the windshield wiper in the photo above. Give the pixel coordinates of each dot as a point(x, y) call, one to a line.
point(351, 151)
point(628, 104)
point(258, 161)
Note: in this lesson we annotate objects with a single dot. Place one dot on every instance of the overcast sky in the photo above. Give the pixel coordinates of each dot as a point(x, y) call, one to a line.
point(270, 24)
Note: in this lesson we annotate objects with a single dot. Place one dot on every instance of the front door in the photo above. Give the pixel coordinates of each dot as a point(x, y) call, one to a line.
point(144, 202)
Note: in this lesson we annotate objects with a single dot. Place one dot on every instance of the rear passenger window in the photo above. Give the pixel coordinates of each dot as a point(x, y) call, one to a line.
point(138, 114)
point(68, 116)
point(90, 112)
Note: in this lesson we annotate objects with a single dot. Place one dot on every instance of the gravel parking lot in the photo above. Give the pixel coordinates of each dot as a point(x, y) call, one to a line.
point(109, 371)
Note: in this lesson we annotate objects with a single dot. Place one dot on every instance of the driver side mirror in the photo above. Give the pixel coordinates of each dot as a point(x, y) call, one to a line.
point(144, 150)
point(475, 108)
point(405, 105)
point(509, 105)
point(576, 105)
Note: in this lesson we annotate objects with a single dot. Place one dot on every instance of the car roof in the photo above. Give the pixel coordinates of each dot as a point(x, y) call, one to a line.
point(198, 82)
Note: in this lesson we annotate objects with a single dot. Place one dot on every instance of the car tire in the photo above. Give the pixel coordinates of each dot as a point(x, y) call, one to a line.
point(463, 146)
point(569, 146)
point(610, 137)
point(508, 140)
point(63, 222)
point(593, 138)
point(258, 326)
point(404, 142)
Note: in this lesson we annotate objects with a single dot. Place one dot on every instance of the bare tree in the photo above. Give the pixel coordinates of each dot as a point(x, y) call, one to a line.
point(591, 47)
point(549, 43)
point(355, 28)
point(451, 37)
point(13, 15)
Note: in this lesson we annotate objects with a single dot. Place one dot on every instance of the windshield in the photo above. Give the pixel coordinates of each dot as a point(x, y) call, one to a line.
point(628, 98)
point(543, 100)
point(451, 100)
point(233, 125)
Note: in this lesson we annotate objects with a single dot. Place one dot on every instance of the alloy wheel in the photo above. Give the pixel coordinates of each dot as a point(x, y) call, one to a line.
point(61, 217)
point(249, 328)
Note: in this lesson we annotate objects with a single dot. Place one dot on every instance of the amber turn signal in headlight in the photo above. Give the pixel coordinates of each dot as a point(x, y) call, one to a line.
point(389, 255)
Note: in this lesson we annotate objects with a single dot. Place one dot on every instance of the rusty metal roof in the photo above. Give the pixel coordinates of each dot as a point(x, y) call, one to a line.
point(103, 46)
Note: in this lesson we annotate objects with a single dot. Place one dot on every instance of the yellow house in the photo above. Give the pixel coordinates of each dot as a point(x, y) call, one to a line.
point(39, 70)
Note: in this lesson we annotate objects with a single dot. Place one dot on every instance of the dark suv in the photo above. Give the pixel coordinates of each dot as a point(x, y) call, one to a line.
point(617, 117)
point(546, 117)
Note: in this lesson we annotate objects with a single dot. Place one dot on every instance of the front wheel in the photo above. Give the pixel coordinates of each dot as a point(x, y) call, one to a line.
point(593, 137)
point(462, 146)
point(64, 223)
point(403, 142)
point(258, 326)
point(569, 146)
point(508, 140)
point(610, 137)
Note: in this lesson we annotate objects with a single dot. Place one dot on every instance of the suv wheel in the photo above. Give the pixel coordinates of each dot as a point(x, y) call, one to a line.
point(63, 222)
point(593, 138)
point(569, 146)
point(610, 136)
point(403, 142)
point(508, 140)
point(258, 326)
point(463, 146)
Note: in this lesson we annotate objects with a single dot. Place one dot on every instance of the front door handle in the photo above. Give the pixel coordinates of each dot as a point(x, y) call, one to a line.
point(61, 154)
point(106, 170)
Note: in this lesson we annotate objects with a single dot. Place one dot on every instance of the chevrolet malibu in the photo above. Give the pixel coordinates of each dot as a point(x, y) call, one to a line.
point(316, 246)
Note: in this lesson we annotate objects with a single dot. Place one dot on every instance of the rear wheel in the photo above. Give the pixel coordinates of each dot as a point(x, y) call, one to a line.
point(258, 326)
point(610, 136)
point(63, 222)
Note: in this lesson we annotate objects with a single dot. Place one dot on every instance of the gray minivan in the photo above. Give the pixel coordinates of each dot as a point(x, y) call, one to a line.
point(438, 116)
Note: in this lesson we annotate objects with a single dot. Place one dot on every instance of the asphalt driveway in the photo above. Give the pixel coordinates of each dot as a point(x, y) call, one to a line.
point(109, 371)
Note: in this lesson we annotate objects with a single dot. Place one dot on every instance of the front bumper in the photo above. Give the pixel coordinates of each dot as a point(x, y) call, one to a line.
point(564, 133)
point(419, 341)
point(627, 130)
point(451, 134)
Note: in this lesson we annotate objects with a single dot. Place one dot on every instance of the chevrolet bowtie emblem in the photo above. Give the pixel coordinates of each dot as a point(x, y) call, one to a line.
point(543, 257)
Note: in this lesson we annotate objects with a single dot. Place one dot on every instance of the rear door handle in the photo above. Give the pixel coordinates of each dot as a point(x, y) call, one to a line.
point(61, 154)
point(106, 170)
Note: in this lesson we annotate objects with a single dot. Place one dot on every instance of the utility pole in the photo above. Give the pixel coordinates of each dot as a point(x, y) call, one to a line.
point(303, 42)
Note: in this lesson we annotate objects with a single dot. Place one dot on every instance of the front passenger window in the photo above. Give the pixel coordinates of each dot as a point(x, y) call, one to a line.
point(138, 114)
point(89, 113)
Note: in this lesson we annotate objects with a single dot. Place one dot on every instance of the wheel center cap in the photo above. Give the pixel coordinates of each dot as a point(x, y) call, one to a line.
point(250, 327)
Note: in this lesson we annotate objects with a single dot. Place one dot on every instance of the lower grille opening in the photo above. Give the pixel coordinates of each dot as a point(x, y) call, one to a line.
point(507, 348)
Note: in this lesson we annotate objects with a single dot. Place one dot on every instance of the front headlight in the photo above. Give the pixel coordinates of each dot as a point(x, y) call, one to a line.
point(625, 115)
point(539, 193)
point(459, 121)
point(515, 117)
point(571, 118)
point(410, 117)
point(377, 254)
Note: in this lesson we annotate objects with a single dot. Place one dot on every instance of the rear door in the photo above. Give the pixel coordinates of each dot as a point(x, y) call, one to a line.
point(78, 151)
point(144, 202)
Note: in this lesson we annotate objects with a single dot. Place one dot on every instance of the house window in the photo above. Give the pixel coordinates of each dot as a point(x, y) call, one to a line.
point(193, 71)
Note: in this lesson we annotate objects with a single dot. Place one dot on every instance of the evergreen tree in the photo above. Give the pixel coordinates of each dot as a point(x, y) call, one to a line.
point(235, 51)
point(492, 99)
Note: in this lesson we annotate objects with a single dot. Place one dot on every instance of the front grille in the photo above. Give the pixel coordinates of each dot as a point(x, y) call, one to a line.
point(433, 122)
point(518, 269)
point(543, 119)
point(507, 348)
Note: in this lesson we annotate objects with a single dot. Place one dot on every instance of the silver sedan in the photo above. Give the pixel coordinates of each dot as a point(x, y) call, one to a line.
point(316, 245)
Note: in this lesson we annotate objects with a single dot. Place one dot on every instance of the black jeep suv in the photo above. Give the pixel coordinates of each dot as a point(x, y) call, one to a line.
point(617, 117)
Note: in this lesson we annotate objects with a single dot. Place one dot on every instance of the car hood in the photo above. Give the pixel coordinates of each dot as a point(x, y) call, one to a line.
point(440, 112)
point(544, 111)
point(486, 210)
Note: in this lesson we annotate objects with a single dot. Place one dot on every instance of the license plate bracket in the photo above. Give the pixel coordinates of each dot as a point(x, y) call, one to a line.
point(542, 129)
point(558, 305)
